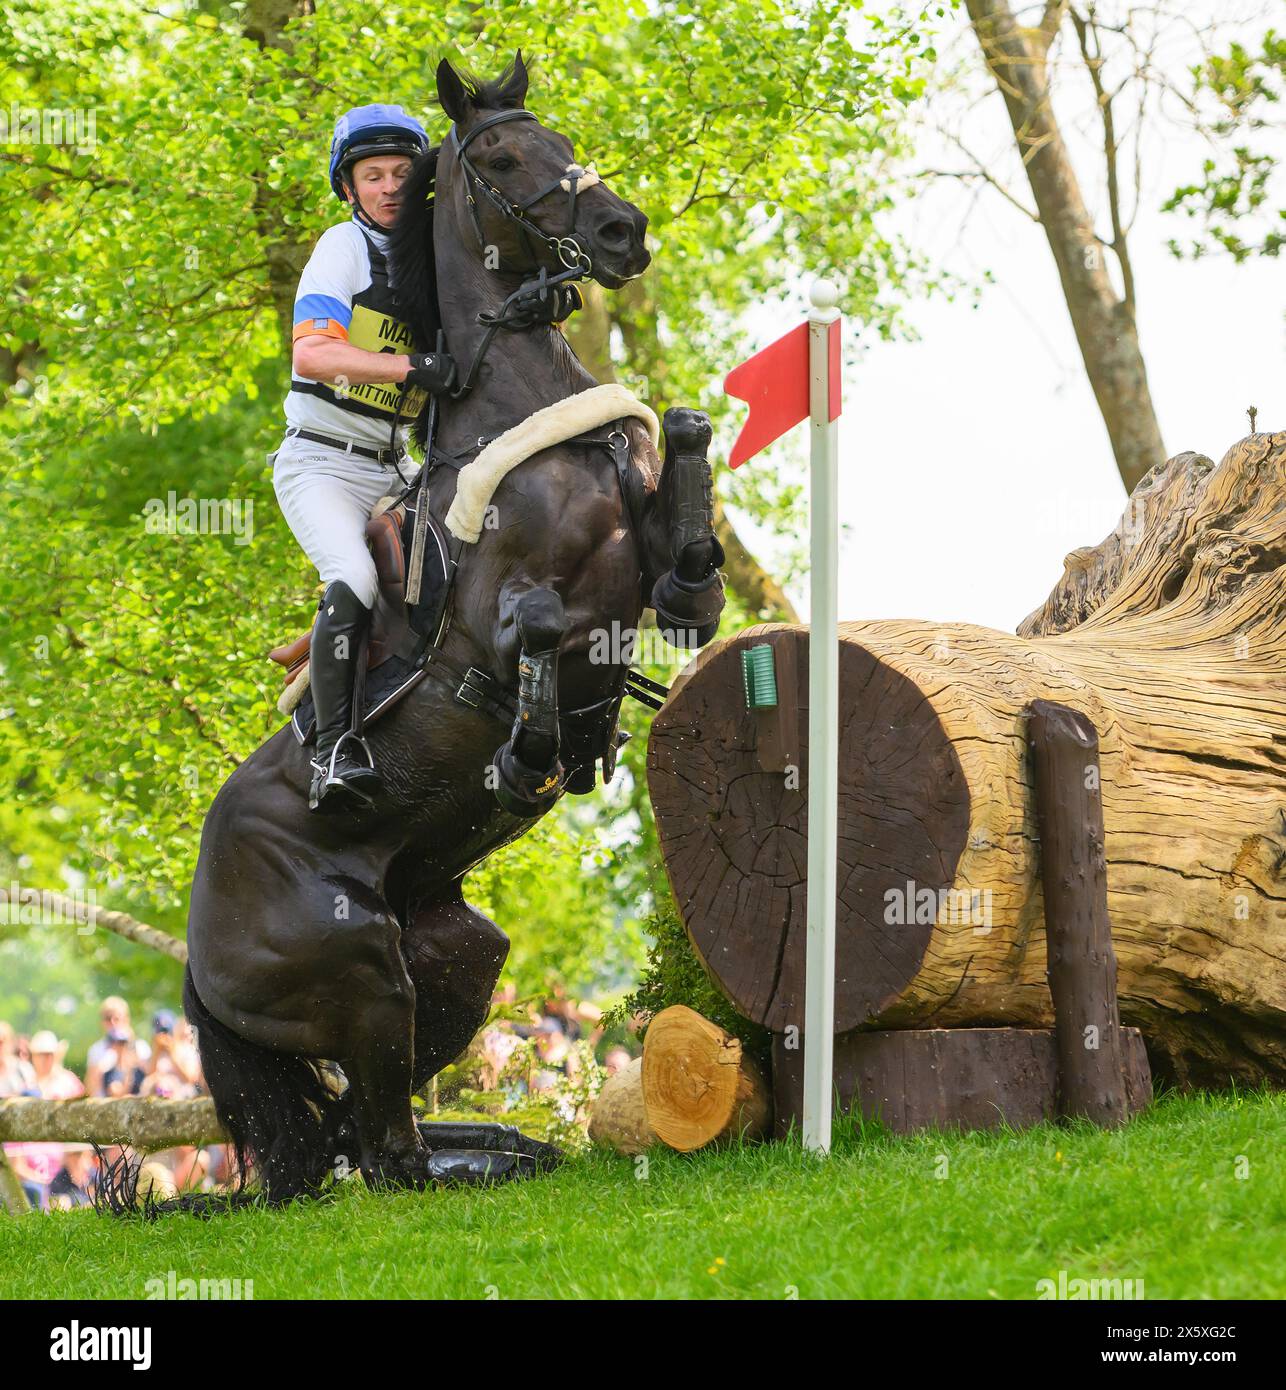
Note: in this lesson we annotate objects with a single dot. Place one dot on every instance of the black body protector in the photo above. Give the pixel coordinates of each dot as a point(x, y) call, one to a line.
point(377, 326)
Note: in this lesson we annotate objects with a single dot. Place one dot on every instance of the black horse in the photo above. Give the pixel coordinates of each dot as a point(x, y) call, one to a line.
point(318, 941)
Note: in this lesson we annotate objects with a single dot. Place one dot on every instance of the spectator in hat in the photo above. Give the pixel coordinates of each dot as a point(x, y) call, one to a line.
point(37, 1164)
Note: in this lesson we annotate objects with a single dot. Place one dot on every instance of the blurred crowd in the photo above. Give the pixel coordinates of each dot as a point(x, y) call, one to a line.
point(119, 1063)
point(526, 1053)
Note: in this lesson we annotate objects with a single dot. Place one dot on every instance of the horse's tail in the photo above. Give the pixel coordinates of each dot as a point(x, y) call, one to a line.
point(283, 1119)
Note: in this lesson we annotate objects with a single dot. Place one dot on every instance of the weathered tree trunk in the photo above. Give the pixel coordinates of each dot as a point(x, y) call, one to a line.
point(144, 1124)
point(1104, 324)
point(1171, 638)
point(264, 23)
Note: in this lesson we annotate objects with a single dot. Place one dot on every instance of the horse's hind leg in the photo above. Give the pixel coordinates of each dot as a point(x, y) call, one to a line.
point(454, 955)
point(378, 1062)
point(528, 773)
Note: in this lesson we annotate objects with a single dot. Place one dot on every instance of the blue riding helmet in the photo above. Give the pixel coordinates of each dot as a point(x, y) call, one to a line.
point(366, 131)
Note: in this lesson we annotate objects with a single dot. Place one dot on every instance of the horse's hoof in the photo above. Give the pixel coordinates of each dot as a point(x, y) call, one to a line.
point(450, 1135)
point(479, 1167)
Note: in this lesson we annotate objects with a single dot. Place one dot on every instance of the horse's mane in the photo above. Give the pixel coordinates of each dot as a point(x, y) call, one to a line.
point(410, 251)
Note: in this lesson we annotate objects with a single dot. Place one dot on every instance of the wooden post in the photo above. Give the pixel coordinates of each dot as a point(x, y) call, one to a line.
point(1080, 962)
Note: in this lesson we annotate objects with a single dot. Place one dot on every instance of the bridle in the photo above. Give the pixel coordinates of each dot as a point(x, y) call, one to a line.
point(571, 255)
point(575, 260)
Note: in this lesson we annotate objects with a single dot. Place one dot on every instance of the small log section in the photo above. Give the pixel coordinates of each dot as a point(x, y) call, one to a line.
point(699, 1087)
point(1081, 965)
point(947, 1078)
point(619, 1117)
point(1170, 637)
point(692, 1086)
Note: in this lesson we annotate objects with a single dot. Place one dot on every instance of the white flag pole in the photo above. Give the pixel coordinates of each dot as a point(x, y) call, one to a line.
point(823, 725)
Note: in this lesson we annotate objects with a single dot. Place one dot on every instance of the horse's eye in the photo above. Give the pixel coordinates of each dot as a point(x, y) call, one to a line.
point(502, 163)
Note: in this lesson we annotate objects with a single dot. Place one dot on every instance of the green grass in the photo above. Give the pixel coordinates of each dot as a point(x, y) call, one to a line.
point(1158, 1201)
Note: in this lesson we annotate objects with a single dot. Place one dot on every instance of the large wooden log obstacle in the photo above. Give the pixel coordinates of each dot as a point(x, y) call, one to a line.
point(1170, 639)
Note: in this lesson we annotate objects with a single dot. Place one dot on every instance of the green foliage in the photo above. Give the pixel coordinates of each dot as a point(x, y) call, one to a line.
point(142, 363)
point(675, 975)
point(1236, 203)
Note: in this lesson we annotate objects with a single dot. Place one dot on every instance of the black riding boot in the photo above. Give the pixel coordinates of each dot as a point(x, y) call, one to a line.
point(344, 775)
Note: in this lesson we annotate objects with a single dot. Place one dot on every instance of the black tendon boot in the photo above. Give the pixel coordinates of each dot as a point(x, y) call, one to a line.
point(344, 775)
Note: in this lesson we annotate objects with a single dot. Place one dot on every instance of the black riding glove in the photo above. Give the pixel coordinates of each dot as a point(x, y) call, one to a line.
point(556, 303)
point(433, 372)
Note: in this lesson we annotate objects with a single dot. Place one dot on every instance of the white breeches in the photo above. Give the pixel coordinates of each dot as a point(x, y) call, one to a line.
point(327, 496)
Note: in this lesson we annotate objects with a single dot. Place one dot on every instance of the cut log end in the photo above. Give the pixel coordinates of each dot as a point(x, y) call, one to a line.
point(699, 1087)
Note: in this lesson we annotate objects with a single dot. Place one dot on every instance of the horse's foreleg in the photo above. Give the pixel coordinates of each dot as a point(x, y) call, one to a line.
point(454, 955)
point(688, 598)
point(527, 770)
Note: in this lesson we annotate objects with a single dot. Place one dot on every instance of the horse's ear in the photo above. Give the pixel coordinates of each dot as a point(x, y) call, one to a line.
point(513, 88)
point(451, 92)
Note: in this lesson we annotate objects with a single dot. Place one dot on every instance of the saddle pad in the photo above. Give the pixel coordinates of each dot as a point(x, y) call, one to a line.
point(550, 425)
point(385, 686)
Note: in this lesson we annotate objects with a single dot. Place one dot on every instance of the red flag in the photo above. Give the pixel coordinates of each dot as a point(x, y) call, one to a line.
point(774, 383)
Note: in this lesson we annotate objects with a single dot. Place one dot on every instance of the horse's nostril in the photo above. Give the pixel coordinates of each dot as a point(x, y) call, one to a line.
point(617, 232)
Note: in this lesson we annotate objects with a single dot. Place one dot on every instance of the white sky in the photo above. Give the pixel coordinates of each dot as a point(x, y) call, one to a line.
point(975, 458)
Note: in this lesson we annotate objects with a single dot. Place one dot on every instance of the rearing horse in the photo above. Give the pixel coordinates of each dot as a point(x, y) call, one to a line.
point(348, 941)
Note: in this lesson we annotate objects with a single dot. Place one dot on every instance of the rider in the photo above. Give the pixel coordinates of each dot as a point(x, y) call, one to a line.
point(354, 373)
point(353, 359)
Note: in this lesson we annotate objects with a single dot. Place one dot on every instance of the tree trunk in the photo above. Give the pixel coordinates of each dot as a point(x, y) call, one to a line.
point(1171, 638)
point(264, 23)
point(142, 1123)
point(1104, 324)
